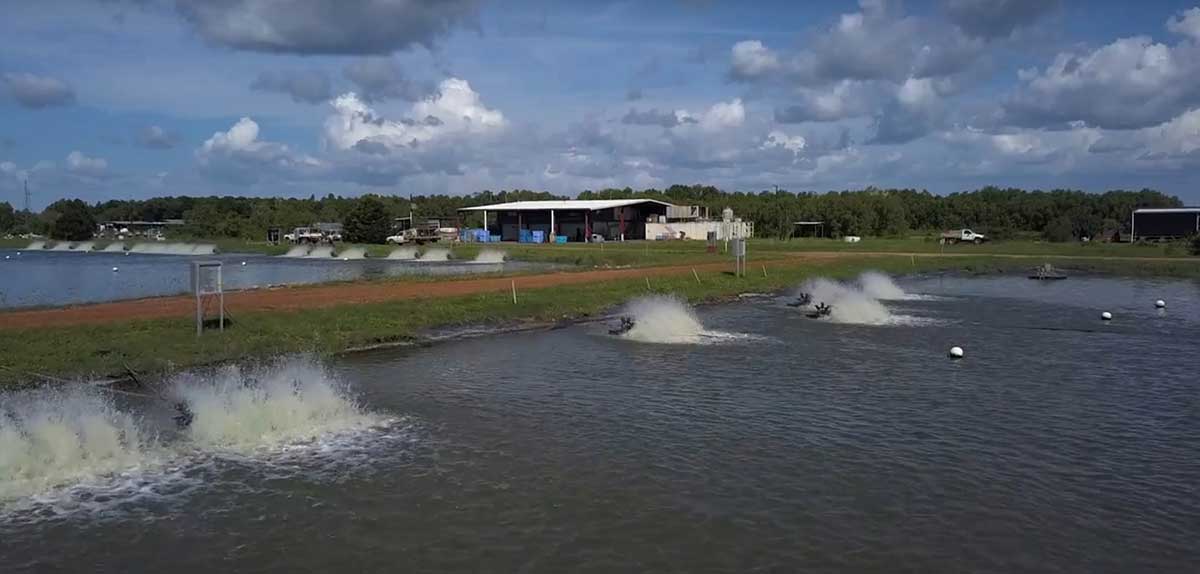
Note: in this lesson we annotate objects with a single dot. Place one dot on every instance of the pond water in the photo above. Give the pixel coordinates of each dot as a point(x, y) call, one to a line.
point(759, 440)
point(47, 278)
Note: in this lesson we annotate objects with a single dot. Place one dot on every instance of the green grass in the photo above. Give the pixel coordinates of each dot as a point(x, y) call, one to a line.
point(161, 346)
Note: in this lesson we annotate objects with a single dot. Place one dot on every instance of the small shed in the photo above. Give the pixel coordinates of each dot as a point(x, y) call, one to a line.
point(1164, 223)
point(809, 229)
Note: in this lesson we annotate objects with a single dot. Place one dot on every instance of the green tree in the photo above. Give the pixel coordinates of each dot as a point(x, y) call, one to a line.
point(8, 217)
point(368, 221)
point(1061, 229)
point(75, 221)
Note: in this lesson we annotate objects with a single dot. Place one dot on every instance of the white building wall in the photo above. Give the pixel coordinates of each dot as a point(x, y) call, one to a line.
point(699, 229)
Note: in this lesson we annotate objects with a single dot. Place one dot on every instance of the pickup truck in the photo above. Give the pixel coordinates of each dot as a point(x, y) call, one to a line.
point(964, 235)
point(303, 235)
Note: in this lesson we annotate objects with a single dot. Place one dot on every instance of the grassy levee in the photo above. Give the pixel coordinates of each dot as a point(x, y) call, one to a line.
point(159, 346)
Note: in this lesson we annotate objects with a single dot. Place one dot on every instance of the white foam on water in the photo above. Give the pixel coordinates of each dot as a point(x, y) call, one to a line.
point(49, 438)
point(61, 246)
point(297, 251)
point(85, 246)
point(247, 410)
point(320, 252)
point(880, 286)
point(859, 303)
point(352, 253)
point(490, 256)
point(436, 254)
point(204, 249)
point(36, 245)
point(403, 253)
point(70, 449)
point(114, 247)
point(669, 320)
point(858, 308)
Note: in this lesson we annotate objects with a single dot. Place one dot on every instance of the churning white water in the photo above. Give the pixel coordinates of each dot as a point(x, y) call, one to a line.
point(860, 302)
point(35, 245)
point(403, 253)
point(85, 246)
point(61, 246)
point(436, 254)
point(880, 286)
point(297, 400)
point(662, 319)
point(850, 304)
point(320, 252)
point(490, 256)
point(56, 439)
point(297, 251)
point(114, 247)
point(50, 438)
point(352, 253)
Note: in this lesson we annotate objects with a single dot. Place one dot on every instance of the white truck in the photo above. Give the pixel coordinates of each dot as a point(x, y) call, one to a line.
point(304, 235)
point(963, 235)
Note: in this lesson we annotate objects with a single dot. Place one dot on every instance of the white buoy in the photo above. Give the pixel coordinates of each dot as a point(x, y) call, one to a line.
point(6, 257)
point(115, 269)
point(1106, 316)
point(243, 263)
point(956, 352)
point(18, 253)
point(1160, 304)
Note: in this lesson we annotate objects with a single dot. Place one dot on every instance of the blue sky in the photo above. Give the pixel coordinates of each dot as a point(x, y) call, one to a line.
point(105, 99)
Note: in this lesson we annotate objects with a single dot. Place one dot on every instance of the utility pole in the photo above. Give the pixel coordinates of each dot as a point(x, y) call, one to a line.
point(28, 197)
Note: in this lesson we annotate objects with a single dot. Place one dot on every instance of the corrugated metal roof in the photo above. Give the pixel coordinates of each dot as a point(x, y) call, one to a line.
point(565, 205)
point(1168, 210)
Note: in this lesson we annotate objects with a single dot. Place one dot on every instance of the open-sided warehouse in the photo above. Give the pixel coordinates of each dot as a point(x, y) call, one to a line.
point(577, 220)
point(1164, 223)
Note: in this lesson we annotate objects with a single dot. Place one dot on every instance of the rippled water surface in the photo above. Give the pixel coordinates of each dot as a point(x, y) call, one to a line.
point(1059, 444)
point(40, 278)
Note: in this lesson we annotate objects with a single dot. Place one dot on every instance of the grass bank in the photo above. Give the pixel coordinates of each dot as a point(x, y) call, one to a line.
point(161, 346)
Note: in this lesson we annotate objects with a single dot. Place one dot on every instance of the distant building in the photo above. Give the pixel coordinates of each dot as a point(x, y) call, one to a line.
point(1164, 223)
point(577, 220)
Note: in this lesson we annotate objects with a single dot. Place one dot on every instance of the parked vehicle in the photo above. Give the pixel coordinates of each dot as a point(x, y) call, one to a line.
point(304, 235)
point(418, 235)
point(964, 235)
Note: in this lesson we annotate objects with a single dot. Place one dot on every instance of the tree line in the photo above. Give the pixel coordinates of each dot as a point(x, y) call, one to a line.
point(1057, 215)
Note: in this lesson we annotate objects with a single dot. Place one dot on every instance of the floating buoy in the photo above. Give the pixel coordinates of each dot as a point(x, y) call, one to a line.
point(1160, 304)
point(18, 253)
point(956, 352)
point(1106, 316)
point(6, 257)
point(243, 263)
point(115, 269)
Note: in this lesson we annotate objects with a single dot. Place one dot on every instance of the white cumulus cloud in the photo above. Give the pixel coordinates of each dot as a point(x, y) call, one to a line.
point(79, 163)
point(456, 109)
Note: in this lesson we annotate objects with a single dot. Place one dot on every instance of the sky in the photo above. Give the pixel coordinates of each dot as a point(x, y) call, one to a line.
point(113, 99)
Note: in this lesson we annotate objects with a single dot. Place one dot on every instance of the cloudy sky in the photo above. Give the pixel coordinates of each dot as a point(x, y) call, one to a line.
point(107, 99)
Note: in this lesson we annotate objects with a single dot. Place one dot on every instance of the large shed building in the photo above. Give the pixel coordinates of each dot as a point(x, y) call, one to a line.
point(1164, 223)
point(577, 220)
